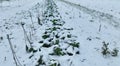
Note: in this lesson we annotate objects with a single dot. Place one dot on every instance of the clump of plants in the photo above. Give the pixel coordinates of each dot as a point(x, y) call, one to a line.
point(105, 49)
point(31, 49)
point(40, 61)
point(57, 51)
point(55, 36)
point(107, 52)
point(75, 44)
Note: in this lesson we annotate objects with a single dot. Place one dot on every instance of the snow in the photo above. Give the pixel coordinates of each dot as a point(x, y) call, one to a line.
point(93, 22)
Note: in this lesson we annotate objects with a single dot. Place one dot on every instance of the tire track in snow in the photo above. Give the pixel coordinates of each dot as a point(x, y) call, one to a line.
point(110, 19)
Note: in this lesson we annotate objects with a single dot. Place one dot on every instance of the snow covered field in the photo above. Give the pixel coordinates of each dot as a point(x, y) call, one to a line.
point(60, 33)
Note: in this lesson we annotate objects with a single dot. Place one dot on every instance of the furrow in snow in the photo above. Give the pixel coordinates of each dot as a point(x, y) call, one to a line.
point(114, 21)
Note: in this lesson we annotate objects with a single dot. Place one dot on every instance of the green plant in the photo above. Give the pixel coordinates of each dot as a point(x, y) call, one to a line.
point(57, 42)
point(45, 36)
point(40, 61)
point(55, 64)
point(105, 49)
point(75, 44)
point(114, 53)
point(54, 21)
point(57, 51)
point(69, 36)
point(54, 28)
point(29, 50)
point(46, 45)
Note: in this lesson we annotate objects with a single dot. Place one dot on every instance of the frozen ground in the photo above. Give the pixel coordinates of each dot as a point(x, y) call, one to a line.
point(91, 23)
